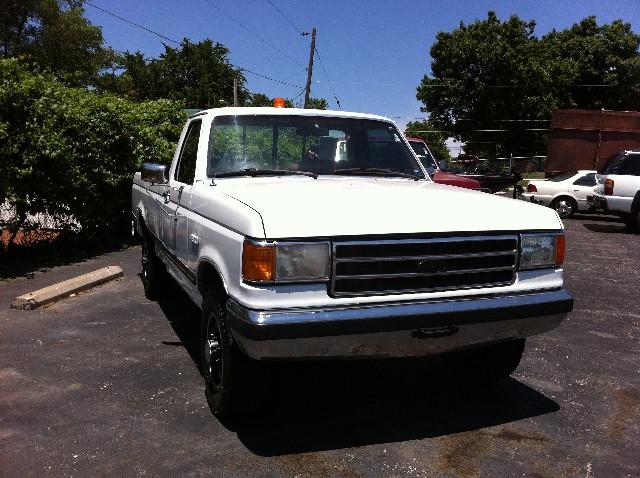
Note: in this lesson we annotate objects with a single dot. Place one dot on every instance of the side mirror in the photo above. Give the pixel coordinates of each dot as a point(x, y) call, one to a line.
point(155, 173)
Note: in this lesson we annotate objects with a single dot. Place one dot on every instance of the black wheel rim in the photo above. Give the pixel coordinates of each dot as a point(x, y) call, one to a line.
point(213, 352)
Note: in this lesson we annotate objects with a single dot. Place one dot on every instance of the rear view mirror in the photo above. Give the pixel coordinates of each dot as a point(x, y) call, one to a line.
point(154, 173)
point(312, 130)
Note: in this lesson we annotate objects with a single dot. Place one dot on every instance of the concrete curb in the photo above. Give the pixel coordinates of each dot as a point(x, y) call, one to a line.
point(64, 289)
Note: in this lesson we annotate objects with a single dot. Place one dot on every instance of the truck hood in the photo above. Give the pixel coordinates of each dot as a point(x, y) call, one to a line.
point(295, 207)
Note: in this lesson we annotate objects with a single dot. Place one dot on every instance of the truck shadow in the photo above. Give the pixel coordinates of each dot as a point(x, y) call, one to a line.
point(314, 406)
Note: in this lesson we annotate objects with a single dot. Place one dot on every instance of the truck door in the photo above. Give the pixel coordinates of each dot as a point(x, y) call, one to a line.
point(179, 196)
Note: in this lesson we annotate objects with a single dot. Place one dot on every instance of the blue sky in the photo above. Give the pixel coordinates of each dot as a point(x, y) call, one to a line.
point(375, 52)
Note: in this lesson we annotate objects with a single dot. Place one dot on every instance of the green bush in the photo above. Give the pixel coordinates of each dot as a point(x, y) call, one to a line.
point(70, 152)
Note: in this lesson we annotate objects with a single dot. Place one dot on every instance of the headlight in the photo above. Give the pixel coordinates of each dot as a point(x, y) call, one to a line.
point(541, 250)
point(285, 262)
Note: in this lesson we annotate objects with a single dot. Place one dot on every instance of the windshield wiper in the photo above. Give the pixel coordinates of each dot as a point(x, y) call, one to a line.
point(253, 172)
point(377, 172)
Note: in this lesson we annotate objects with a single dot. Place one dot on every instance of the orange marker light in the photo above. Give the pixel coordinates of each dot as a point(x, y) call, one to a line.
point(258, 262)
point(278, 102)
point(560, 245)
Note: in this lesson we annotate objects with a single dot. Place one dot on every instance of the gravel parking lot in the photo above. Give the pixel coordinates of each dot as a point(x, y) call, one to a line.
point(107, 383)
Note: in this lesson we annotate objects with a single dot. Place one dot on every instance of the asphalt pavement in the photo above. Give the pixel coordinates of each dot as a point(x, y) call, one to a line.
point(107, 383)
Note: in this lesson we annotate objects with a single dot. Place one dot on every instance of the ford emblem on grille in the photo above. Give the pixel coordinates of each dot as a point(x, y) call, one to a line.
point(433, 266)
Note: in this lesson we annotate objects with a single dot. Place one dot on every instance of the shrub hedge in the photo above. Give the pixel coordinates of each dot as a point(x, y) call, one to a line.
point(70, 152)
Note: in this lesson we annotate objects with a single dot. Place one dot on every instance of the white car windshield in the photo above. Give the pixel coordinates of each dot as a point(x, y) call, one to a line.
point(276, 144)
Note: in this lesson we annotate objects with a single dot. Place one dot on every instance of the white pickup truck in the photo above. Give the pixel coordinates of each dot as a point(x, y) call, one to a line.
point(294, 251)
point(618, 189)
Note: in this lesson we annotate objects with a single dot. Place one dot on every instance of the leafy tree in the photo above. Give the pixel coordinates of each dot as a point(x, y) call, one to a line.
point(482, 73)
point(318, 104)
point(588, 54)
point(435, 141)
point(260, 99)
point(54, 35)
point(197, 74)
point(498, 75)
point(70, 152)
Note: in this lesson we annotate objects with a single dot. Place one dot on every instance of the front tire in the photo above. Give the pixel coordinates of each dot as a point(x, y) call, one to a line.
point(154, 274)
point(565, 207)
point(486, 364)
point(229, 375)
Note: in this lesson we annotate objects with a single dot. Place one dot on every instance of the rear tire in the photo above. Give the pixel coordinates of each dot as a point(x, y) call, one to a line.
point(230, 377)
point(564, 206)
point(154, 273)
point(485, 364)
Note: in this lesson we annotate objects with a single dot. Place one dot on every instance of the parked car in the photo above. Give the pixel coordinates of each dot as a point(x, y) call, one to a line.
point(566, 193)
point(433, 168)
point(292, 254)
point(618, 189)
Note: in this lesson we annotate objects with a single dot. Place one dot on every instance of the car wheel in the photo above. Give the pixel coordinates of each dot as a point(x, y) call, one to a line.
point(565, 207)
point(154, 273)
point(485, 364)
point(230, 377)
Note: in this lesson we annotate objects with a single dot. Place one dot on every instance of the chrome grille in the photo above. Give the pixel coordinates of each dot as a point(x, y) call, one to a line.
point(422, 265)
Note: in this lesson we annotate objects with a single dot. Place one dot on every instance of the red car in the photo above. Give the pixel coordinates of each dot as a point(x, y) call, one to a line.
point(431, 165)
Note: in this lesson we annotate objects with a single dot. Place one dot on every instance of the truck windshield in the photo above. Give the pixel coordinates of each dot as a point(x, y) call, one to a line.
point(320, 145)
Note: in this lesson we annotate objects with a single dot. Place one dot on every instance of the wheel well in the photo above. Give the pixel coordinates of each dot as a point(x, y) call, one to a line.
point(144, 231)
point(209, 279)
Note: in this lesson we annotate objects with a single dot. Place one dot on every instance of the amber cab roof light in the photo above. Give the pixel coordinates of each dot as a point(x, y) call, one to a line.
point(278, 102)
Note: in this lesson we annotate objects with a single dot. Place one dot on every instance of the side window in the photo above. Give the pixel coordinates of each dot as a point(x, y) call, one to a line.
point(631, 165)
point(186, 170)
point(588, 180)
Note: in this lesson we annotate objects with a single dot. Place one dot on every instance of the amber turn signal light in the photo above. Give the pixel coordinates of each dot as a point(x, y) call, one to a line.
point(560, 244)
point(258, 262)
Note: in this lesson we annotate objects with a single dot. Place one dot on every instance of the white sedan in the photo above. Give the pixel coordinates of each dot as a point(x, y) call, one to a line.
point(566, 193)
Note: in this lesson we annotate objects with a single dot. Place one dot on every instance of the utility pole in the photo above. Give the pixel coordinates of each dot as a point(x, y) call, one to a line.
point(235, 92)
point(310, 69)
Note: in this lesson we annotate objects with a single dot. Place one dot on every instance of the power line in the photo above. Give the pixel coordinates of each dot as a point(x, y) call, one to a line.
point(131, 22)
point(293, 25)
point(449, 85)
point(269, 78)
point(444, 131)
point(328, 80)
point(298, 30)
point(257, 35)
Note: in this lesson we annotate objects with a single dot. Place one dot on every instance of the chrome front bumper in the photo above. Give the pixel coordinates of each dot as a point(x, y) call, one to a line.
point(395, 329)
